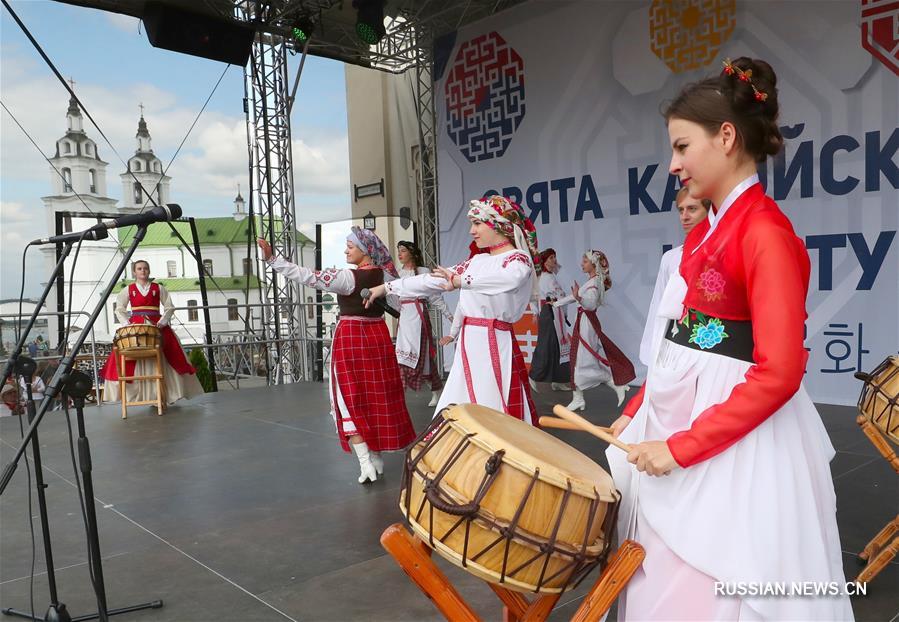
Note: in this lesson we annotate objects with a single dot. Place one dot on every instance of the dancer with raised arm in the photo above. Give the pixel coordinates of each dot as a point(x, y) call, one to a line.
point(367, 401)
point(747, 496)
point(549, 362)
point(496, 287)
point(416, 350)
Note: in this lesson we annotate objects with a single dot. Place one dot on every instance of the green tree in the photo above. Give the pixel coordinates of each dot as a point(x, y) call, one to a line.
point(198, 360)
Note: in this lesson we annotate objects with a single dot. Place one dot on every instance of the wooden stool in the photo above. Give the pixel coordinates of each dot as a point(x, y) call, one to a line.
point(879, 420)
point(139, 342)
point(414, 557)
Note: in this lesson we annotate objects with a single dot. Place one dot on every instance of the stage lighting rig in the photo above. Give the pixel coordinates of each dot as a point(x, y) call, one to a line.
point(301, 29)
point(369, 20)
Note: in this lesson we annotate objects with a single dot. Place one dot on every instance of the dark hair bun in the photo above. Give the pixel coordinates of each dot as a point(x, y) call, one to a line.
point(762, 136)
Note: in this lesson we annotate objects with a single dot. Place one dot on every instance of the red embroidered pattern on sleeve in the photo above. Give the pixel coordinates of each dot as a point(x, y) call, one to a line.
point(460, 268)
point(326, 276)
point(517, 257)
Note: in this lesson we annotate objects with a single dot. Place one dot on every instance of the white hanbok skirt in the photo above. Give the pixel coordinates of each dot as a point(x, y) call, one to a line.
point(761, 512)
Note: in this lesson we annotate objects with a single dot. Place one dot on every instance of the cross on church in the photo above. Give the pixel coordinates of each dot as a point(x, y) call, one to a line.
point(141, 106)
point(72, 82)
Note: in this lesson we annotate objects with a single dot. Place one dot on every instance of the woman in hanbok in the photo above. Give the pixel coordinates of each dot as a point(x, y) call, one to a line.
point(367, 401)
point(139, 303)
point(416, 350)
point(496, 287)
point(595, 359)
point(549, 362)
point(748, 498)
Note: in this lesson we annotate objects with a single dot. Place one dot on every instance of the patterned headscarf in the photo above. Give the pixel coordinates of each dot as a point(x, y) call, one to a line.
point(370, 244)
point(507, 218)
point(598, 259)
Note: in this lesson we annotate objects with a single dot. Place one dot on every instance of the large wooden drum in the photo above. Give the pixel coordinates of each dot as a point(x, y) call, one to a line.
point(137, 337)
point(879, 400)
point(508, 502)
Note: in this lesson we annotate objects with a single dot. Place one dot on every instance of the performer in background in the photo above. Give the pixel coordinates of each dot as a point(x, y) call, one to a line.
point(549, 363)
point(139, 303)
point(496, 287)
point(367, 401)
point(690, 212)
point(595, 359)
point(416, 350)
point(748, 498)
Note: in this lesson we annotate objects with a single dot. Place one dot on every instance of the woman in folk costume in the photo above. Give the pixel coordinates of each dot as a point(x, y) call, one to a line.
point(748, 496)
point(367, 401)
point(416, 350)
point(690, 212)
point(144, 298)
point(496, 287)
point(595, 359)
point(549, 363)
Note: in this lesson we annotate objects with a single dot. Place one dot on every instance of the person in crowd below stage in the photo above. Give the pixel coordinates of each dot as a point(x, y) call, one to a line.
point(496, 287)
point(748, 497)
point(10, 399)
point(416, 350)
point(179, 376)
point(367, 401)
point(549, 363)
point(690, 213)
point(595, 359)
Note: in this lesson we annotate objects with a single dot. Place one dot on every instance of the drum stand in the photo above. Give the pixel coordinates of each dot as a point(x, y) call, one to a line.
point(877, 554)
point(61, 379)
point(414, 557)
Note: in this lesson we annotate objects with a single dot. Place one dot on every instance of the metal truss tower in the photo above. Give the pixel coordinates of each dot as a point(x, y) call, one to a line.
point(426, 217)
point(271, 169)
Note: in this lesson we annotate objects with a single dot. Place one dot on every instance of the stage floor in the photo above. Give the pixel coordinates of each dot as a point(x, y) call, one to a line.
point(241, 506)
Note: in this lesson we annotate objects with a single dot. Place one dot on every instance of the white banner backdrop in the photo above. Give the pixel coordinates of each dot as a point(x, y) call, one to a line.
point(556, 105)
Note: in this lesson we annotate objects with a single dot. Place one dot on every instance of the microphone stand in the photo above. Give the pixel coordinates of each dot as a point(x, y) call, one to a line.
point(60, 378)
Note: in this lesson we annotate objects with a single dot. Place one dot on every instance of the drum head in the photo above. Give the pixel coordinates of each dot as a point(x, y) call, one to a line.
point(529, 448)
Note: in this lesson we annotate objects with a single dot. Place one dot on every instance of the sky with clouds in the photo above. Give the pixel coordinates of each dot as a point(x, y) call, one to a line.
point(115, 69)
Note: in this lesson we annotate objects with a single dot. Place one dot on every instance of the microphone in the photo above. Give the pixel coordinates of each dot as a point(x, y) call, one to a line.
point(160, 213)
point(91, 234)
point(379, 303)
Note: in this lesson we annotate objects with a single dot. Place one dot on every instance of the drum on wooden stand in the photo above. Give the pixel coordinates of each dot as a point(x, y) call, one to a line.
point(508, 502)
point(137, 337)
point(879, 399)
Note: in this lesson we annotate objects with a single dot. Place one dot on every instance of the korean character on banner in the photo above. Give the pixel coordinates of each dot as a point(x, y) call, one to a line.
point(809, 350)
point(839, 348)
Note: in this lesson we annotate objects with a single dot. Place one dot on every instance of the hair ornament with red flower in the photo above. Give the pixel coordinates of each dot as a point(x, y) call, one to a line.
point(744, 76)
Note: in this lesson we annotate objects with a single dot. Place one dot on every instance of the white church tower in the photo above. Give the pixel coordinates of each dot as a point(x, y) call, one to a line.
point(148, 169)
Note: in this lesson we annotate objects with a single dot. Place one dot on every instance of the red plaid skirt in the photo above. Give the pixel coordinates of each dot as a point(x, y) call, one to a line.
point(363, 365)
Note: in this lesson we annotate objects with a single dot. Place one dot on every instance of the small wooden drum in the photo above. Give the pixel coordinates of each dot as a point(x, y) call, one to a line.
point(508, 502)
point(879, 400)
point(137, 337)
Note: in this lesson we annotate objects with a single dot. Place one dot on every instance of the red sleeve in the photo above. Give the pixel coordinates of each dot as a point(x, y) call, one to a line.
point(633, 404)
point(777, 272)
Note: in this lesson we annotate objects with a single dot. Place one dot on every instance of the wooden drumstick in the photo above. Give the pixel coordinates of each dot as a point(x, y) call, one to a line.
point(585, 425)
point(564, 424)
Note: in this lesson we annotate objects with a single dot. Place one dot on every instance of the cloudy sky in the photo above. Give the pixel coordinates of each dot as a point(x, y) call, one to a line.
point(115, 69)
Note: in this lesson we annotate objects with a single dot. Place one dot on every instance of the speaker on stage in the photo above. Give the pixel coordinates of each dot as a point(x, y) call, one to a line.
point(175, 29)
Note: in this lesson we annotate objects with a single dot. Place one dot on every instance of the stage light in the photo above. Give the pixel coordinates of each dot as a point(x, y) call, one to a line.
point(301, 29)
point(369, 20)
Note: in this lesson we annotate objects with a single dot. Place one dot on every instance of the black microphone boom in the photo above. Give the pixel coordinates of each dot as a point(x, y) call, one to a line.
point(171, 211)
point(89, 235)
point(379, 303)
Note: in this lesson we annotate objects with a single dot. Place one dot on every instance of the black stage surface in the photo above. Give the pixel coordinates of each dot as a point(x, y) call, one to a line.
point(241, 506)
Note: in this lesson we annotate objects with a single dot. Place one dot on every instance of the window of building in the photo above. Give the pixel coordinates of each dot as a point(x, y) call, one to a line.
point(66, 180)
point(207, 267)
point(93, 176)
point(193, 315)
point(233, 313)
point(247, 265)
point(310, 307)
point(137, 165)
point(138, 194)
point(115, 318)
point(66, 148)
point(171, 268)
point(87, 149)
point(67, 223)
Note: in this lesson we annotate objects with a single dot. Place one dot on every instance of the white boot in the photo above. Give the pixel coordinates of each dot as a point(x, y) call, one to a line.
point(378, 461)
point(620, 390)
point(367, 470)
point(533, 385)
point(435, 397)
point(578, 402)
point(559, 386)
